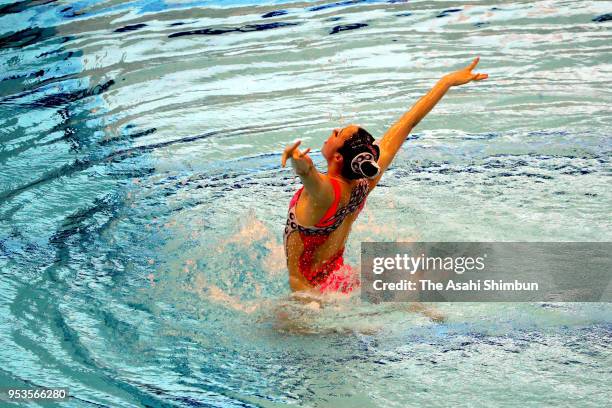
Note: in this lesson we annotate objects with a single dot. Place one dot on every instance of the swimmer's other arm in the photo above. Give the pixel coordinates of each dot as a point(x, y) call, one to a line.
point(392, 141)
point(315, 184)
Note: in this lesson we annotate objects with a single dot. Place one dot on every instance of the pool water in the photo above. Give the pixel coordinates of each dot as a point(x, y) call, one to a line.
point(142, 200)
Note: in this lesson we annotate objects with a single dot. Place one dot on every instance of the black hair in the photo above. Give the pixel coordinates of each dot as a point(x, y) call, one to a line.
point(360, 146)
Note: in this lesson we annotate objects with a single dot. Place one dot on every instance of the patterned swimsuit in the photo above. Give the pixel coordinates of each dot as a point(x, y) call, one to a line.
point(327, 276)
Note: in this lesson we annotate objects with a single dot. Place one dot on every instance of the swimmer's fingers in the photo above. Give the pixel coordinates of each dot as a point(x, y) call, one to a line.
point(304, 153)
point(479, 77)
point(465, 75)
point(289, 152)
point(473, 64)
point(301, 159)
point(301, 162)
point(476, 77)
point(296, 144)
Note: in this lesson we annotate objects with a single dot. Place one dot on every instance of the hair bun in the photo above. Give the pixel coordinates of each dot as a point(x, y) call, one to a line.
point(360, 154)
point(364, 164)
point(369, 168)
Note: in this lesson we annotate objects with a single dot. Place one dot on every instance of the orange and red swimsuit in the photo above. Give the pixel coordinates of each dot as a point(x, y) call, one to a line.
point(314, 237)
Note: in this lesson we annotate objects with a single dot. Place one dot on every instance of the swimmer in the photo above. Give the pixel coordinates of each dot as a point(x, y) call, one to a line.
point(322, 212)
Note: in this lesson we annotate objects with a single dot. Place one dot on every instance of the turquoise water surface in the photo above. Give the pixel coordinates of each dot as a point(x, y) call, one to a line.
point(142, 200)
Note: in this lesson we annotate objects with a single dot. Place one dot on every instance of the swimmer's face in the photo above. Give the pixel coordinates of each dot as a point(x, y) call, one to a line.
point(336, 140)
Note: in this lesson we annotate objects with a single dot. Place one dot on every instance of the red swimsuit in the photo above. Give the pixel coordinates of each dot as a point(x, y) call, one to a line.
point(329, 275)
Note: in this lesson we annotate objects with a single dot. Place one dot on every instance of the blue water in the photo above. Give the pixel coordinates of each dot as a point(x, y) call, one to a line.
point(142, 199)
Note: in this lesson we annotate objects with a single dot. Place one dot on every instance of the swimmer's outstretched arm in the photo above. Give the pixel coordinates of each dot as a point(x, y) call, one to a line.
point(315, 183)
point(392, 141)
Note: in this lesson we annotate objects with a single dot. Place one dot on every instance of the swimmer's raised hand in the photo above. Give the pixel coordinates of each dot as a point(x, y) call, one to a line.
point(465, 75)
point(301, 162)
point(393, 139)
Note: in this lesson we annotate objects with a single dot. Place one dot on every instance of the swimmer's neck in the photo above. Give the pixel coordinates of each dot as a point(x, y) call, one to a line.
point(334, 170)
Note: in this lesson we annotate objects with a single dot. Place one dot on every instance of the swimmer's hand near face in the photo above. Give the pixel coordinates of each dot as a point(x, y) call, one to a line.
point(301, 162)
point(316, 185)
point(465, 75)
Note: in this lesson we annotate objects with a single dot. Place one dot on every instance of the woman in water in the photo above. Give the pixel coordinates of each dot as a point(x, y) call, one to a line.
point(322, 211)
